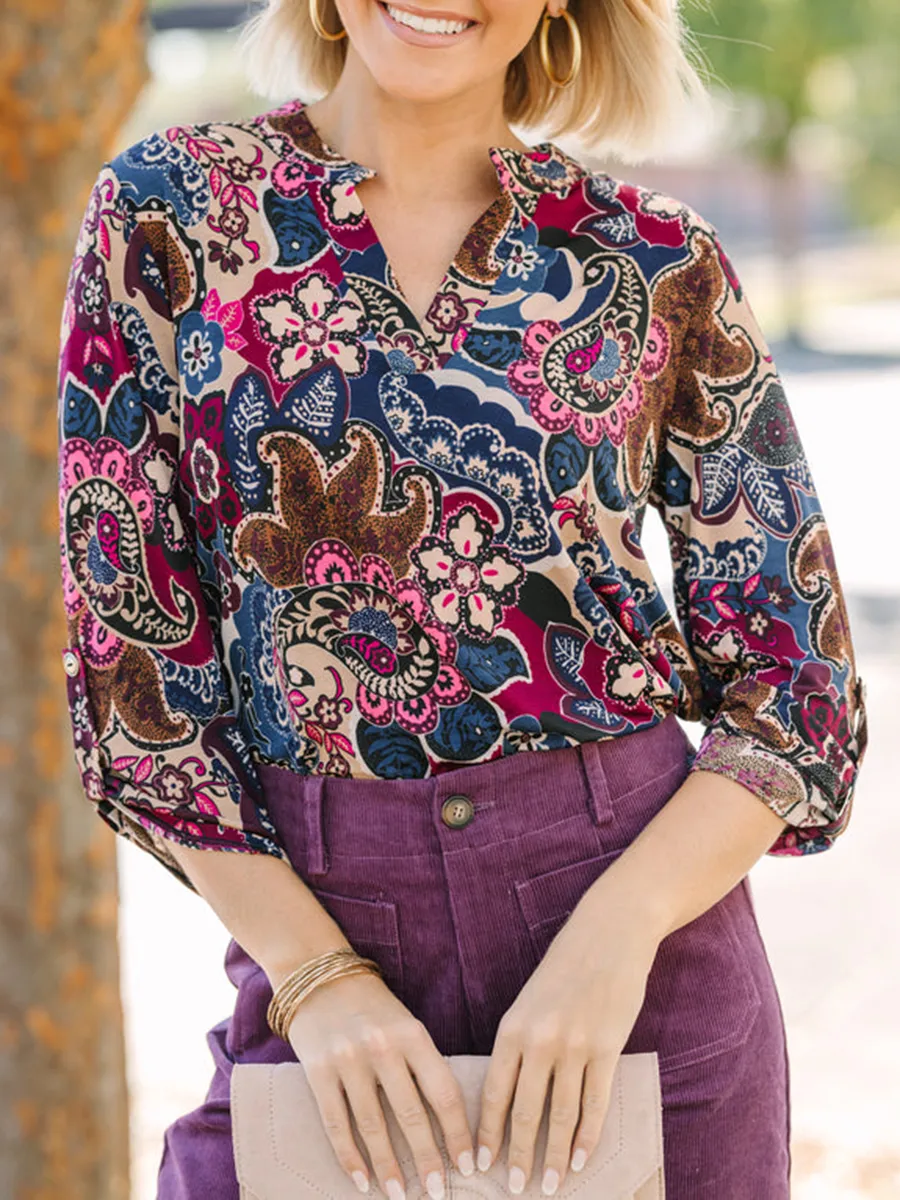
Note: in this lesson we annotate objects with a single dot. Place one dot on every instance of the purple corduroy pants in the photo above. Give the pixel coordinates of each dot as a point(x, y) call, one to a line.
point(459, 917)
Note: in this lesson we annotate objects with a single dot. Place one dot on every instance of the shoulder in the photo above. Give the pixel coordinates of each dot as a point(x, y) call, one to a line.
point(620, 212)
point(660, 233)
point(189, 168)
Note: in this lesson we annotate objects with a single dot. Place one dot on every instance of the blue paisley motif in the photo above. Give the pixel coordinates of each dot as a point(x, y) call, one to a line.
point(155, 166)
point(475, 451)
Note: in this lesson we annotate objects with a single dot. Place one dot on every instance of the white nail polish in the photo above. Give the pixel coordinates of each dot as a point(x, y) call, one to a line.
point(550, 1181)
point(395, 1190)
point(435, 1184)
point(579, 1158)
point(361, 1182)
point(466, 1162)
point(484, 1158)
point(516, 1180)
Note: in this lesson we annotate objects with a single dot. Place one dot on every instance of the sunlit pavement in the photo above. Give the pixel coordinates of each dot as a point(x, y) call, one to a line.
point(830, 921)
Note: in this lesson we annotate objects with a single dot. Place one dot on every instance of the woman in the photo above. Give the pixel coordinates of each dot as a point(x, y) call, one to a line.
point(355, 590)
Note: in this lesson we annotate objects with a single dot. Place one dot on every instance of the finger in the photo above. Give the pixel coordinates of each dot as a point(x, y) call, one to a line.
point(361, 1088)
point(497, 1093)
point(329, 1096)
point(409, 1109)
point(443, 1093)
point(565, 1105)
point(527, 1109)
point(598, 1077)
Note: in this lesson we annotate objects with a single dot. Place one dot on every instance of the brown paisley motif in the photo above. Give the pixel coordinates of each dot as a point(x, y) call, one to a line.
point(133, 688)
point(177, 272)
point(719, 355)
point(346, 502)
point(297, 126)
point(749, 700)
point(182, 274)
point(813, 574)
point(688, 300)
point(476, 259)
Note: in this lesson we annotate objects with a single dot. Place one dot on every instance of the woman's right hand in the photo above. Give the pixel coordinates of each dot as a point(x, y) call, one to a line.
point(352, 1034)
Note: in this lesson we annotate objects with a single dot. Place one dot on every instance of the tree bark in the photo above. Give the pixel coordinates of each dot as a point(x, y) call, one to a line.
point(70, 71)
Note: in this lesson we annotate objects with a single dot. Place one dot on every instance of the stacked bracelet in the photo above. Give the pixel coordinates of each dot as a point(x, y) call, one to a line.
point(294, 989)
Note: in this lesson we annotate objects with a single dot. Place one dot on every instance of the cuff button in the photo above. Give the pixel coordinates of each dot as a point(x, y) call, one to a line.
point(71, 665)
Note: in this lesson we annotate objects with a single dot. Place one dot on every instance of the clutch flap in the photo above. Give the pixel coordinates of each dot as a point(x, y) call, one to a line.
point(281, 1150)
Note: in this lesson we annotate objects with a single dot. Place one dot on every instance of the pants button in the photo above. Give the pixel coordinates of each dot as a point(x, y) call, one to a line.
point(457, 811)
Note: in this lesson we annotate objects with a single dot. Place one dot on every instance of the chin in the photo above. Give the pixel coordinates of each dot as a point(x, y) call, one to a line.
point(405, 86)
point(422, 72)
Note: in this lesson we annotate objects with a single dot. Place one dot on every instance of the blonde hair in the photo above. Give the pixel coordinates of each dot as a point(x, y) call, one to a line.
point(635, 77)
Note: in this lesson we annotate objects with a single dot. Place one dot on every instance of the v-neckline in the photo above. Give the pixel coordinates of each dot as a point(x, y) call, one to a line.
point(471, 276)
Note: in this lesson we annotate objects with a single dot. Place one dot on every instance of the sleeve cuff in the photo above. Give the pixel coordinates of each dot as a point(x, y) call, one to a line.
point(133, 819)
point(814, 818)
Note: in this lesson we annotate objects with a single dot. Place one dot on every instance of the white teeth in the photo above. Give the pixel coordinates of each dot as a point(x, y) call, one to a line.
point(426, 24)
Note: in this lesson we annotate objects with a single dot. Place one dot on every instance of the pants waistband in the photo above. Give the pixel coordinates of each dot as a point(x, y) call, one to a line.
point(317, 815)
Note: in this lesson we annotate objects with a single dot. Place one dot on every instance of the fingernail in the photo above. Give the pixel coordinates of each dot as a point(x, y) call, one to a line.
point(466, 1162)
point(579, 1158)
point(484, 1158)
point(516, 1180)
point(361, 1181)
point(435, 1184)
point(396, 1190)
point(550, 1182)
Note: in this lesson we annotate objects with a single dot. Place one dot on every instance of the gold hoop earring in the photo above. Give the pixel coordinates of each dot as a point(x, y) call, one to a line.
point(319, 27)
point(575, 36)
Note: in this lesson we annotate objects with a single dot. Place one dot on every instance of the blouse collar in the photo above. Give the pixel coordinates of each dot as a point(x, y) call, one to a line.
point(526, 175)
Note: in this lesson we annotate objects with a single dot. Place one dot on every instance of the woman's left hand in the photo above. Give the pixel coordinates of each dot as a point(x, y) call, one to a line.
point(570, 1022)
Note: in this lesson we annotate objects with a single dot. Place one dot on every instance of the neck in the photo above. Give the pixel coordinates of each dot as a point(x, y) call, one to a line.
point(418, 149)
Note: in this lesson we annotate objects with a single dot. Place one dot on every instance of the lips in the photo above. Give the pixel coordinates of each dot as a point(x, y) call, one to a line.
point(417, 31)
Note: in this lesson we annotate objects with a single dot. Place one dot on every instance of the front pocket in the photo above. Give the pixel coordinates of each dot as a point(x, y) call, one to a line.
point(372, 928)
point(547, 900)
point(701, 997)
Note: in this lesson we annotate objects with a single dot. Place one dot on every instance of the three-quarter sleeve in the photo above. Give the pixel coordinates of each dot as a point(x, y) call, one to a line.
point(757, 591)
point(157, 735)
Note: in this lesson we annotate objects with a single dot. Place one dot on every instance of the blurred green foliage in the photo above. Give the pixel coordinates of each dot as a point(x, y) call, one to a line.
point(822, 83)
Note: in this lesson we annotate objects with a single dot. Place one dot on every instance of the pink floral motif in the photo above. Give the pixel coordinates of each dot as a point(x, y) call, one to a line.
point(468, 579)
point(291, 177)
point(309, 325)
point(322, 726)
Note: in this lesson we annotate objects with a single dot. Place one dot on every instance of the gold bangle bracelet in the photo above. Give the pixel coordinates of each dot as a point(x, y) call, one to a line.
point(313, 969)
point(286, 1014)
point(296, 986)
point(283, 1014)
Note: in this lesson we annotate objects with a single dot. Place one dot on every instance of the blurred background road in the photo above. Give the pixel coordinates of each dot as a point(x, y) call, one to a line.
point(798, 166)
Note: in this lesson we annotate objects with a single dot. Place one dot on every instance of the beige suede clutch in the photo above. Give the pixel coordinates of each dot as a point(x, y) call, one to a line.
point(281, 1150)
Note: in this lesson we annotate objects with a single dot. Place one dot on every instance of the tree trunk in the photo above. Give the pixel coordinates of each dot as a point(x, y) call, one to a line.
point(69, 73)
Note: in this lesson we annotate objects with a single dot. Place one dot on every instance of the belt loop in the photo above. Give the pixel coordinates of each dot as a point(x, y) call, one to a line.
point(316, 850)
point(599, 800)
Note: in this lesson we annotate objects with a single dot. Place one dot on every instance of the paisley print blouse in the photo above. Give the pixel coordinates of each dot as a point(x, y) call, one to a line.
point(298, 526)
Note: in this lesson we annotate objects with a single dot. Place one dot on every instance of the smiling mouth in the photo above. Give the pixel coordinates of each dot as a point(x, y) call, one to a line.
point(441, 26)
